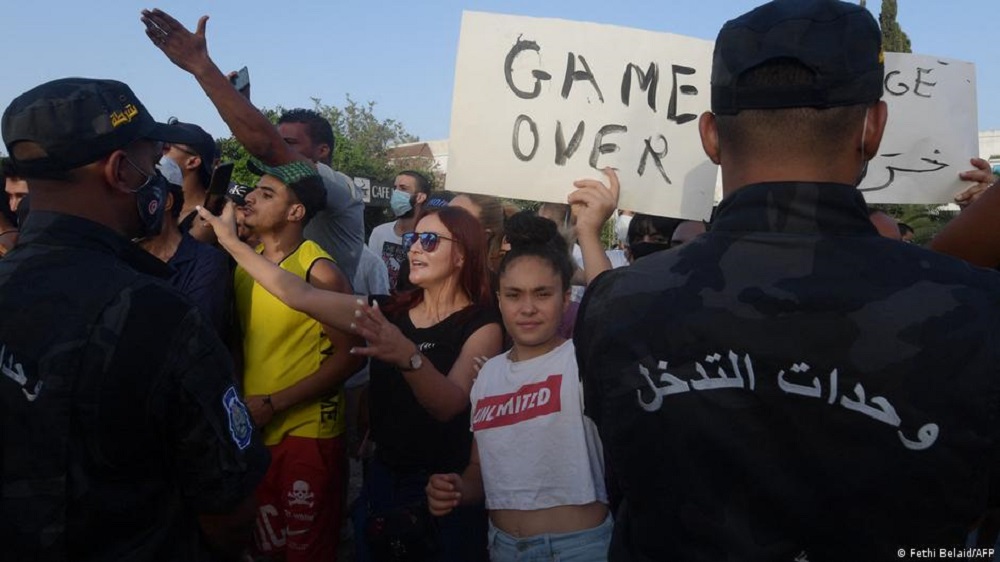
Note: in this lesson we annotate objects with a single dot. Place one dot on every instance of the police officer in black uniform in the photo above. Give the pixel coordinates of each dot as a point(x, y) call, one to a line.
point(791, 385)
point(123, 436)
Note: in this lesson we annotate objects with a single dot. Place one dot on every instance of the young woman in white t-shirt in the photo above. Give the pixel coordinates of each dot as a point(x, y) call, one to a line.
point(535, 456)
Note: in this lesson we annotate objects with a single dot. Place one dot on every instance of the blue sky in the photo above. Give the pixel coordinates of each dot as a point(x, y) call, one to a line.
point(400, 55)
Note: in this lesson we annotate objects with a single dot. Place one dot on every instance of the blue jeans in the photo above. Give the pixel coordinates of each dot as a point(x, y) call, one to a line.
point(461, 535)
point(589, 545)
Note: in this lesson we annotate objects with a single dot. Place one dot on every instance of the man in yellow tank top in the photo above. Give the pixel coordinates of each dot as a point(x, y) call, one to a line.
point(294, 369)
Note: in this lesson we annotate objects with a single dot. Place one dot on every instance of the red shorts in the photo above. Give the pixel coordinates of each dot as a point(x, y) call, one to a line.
point(301, 500)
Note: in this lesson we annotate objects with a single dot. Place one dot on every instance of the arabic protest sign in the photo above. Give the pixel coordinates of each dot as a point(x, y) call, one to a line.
point(539, 103)
point(931, 134)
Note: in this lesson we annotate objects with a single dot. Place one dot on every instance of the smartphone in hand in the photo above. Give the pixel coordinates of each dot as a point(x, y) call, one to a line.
point(220, 179)
point(241, 80)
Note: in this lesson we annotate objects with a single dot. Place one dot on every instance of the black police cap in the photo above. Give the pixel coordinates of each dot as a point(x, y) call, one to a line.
point(200, 141)
point(839, 42)
point(76, 121)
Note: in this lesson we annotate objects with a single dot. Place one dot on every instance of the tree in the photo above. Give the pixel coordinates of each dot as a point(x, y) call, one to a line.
point(361, 141)
point(230, 150)
point(894, 39)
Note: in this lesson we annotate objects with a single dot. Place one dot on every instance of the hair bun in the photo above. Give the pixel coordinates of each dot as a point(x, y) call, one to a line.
point(526, 229)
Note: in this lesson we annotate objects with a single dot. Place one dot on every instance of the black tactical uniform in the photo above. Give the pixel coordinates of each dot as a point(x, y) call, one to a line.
point(791, 385)
point(115, 423)
point(792, 381)
point(119, 419)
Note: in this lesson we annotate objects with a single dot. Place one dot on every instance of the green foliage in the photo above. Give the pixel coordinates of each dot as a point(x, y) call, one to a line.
point(232, 151)
point(361, 141)
point(894, 39)
point(925, 220)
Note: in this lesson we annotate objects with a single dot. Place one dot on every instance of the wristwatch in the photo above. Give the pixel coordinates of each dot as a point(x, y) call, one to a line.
point(416, 361)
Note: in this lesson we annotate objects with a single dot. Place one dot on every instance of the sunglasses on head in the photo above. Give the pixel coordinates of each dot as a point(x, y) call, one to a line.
point(428, 240)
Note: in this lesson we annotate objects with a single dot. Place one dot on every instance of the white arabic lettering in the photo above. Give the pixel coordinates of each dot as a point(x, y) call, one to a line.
point(674, 386)
point(877, 407)
point(926, 436)
point(724, 380)
point(814, 391)
point(885, 413)
point(734, 360)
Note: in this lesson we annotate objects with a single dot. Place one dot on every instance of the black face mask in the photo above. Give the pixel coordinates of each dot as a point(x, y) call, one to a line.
point(642, 249)
point(150, 199)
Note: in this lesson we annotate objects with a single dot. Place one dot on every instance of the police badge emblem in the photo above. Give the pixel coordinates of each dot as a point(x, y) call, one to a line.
point(240, 427)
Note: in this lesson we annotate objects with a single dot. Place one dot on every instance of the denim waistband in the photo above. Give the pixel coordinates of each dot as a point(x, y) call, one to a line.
point(553, 541)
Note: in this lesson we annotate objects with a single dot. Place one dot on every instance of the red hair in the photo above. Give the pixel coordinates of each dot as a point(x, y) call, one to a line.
point(473, 278)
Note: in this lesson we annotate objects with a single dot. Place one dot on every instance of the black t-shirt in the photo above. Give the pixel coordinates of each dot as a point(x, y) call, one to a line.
point(119, 418)
point(791, 381)
point(407, 438)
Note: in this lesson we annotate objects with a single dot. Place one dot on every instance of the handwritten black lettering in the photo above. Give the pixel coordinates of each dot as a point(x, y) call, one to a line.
point(903, 88)
point(908, 164)
point(600, 147)
point(686, 89)
point(521, 119)
point(916, 87)
point(563, 151)
point(657, 155)
point(647, 82)
point(572, 75)
point(508, 69)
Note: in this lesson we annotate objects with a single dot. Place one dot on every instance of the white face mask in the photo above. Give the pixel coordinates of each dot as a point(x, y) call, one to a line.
point(621, 227)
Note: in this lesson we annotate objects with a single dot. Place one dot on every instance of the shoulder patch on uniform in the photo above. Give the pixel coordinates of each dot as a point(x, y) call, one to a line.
point(240, 427)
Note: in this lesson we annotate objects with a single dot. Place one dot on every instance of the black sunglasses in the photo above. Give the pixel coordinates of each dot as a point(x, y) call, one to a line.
point(428, 240)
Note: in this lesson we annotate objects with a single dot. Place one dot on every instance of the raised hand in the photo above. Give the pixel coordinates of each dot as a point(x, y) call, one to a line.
point(982, 174)
point(185, 49)
point(593, 202)
point(385, 341)
point(224, 224)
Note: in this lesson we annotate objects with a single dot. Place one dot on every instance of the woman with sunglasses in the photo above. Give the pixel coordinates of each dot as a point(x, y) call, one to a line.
point(423, 344)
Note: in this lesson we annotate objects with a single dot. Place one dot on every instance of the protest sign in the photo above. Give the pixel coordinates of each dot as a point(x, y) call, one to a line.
point(931, 133)
point(539, 103)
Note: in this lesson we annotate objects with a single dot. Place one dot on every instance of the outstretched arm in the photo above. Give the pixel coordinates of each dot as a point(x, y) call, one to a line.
point(328, 307)
point(189, 51)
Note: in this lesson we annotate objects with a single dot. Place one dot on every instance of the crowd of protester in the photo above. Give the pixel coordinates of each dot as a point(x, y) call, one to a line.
point(791, 380)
